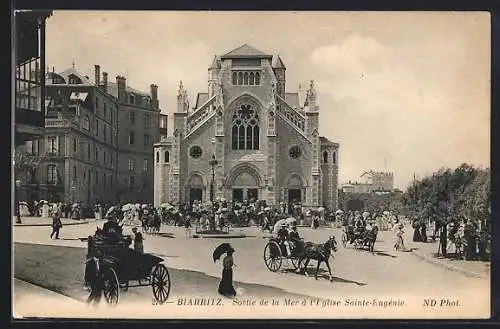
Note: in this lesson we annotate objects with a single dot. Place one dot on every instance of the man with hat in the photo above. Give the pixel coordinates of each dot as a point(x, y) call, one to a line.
point(284, 237)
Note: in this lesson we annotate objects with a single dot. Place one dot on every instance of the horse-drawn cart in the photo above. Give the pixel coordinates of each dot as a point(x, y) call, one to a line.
point(275, 252)
point(360, 239)
point(111, 266)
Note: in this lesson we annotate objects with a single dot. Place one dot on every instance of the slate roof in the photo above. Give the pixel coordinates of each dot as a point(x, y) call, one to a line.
point(113, 90)
point(326, 141)
point(246, 51)
point(71, 71)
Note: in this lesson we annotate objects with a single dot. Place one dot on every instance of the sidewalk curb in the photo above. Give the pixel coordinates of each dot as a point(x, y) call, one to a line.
point(450, 267)
point(67, 224)
point(50, 290)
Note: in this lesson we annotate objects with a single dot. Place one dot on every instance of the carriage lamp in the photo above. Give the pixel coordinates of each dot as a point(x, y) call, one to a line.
point(18, 207)
point(212, 162)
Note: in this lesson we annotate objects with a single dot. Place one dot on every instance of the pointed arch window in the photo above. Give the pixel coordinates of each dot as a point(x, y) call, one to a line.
point(334, 158)
point(167, 157)
point(257, 78)
point(252, 78)
point(157, 157)
point(245, 130)
point(245, 78)
point(325, 157)
point(240, 78)
point(235, 78)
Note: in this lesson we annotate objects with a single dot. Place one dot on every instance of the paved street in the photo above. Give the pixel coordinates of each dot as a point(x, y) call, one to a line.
point(356, 272)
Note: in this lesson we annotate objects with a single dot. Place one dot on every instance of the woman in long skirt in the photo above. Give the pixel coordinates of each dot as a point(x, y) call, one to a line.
point(226, 284)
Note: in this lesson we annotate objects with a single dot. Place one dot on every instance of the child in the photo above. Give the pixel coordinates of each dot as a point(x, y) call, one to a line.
point(138, 241)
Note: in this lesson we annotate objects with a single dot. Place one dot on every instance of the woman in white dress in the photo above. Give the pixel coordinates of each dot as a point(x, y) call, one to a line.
point(45, 210)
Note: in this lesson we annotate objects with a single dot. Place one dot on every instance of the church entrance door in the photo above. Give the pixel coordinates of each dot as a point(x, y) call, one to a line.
point(294, 195)
point(238, 194)
point(252, 193)
point(195, 194)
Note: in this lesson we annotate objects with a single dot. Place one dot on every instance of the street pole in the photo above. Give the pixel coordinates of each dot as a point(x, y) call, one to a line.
point(17, 205)
point(212, 163)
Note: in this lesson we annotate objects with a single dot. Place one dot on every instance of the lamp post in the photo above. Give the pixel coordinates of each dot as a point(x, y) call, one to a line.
point(213, 162)
point(18, 208)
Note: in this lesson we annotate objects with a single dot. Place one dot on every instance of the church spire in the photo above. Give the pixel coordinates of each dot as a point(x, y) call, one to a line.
point(311, 97)
point(182, 99)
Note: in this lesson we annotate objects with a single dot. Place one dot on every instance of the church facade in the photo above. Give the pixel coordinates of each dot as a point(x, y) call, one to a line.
point(247, 138)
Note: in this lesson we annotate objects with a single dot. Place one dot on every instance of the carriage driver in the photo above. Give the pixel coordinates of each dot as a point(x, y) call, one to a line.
point(359, 227)
point(295, 238)
point(284, 237)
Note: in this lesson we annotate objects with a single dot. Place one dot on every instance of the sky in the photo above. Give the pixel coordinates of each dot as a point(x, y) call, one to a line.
point(407, 92)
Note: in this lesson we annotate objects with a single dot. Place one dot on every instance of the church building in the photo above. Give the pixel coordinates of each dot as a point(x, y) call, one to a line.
point(248, 137)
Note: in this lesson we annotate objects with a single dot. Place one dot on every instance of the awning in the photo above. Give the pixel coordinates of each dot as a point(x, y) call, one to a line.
point(78, 96)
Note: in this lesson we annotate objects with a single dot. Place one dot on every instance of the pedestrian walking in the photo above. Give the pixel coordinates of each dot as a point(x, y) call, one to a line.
point(226, 284)
point(138, 241)
point(56, 224)
point(398, 236)
point(187, 225)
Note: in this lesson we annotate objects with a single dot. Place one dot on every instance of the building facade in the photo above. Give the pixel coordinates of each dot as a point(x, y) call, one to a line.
point(29, 89)
point(376, 182)
point(140, 125)
point(79, 153)
point(247, 138)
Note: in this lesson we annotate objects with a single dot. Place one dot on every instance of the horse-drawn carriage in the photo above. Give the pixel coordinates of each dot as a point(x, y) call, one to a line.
point(111, 266)
point(275, 252)
point(360, 238)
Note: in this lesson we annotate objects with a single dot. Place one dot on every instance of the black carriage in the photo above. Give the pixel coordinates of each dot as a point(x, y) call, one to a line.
point(275, 252)
point(113, 265)
point(363, 238)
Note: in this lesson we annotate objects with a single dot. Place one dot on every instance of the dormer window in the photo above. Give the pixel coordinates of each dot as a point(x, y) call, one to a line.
point(131, 99)
point(74, 80)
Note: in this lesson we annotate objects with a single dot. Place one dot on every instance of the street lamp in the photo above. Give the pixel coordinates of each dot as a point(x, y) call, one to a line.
point(213, 162)
point(17, 206)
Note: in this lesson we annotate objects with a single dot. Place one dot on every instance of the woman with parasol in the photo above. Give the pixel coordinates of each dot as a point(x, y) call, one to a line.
point(226, 284)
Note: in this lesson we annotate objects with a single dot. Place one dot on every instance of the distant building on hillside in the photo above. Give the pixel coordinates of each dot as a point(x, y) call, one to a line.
point(377, 182)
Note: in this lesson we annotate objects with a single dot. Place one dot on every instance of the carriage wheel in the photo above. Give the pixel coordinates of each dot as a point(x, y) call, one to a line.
point(160, 282)
point(111, 286)
point(344, 239)
point(272, 256)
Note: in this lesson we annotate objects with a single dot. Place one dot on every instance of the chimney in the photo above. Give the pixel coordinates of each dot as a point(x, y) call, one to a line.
point(121, 84)
point(97, 75)
point(154, 96)
point(105, 81)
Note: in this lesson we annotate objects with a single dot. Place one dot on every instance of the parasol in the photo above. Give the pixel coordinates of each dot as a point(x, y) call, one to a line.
point(278, 225)
point(110, 210)
point(221, 249)
point(290, 221)
point(75, 205)
point(126, 207)
point(144, 206)
point(386, 213)
point(267, 208)
point(366, 214)
point(166, 205)
point(339, 212)
point(321, 209)
point(23, 203)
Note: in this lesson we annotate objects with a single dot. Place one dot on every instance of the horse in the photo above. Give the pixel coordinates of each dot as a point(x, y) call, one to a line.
point(371, 238)
point(320, 253)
